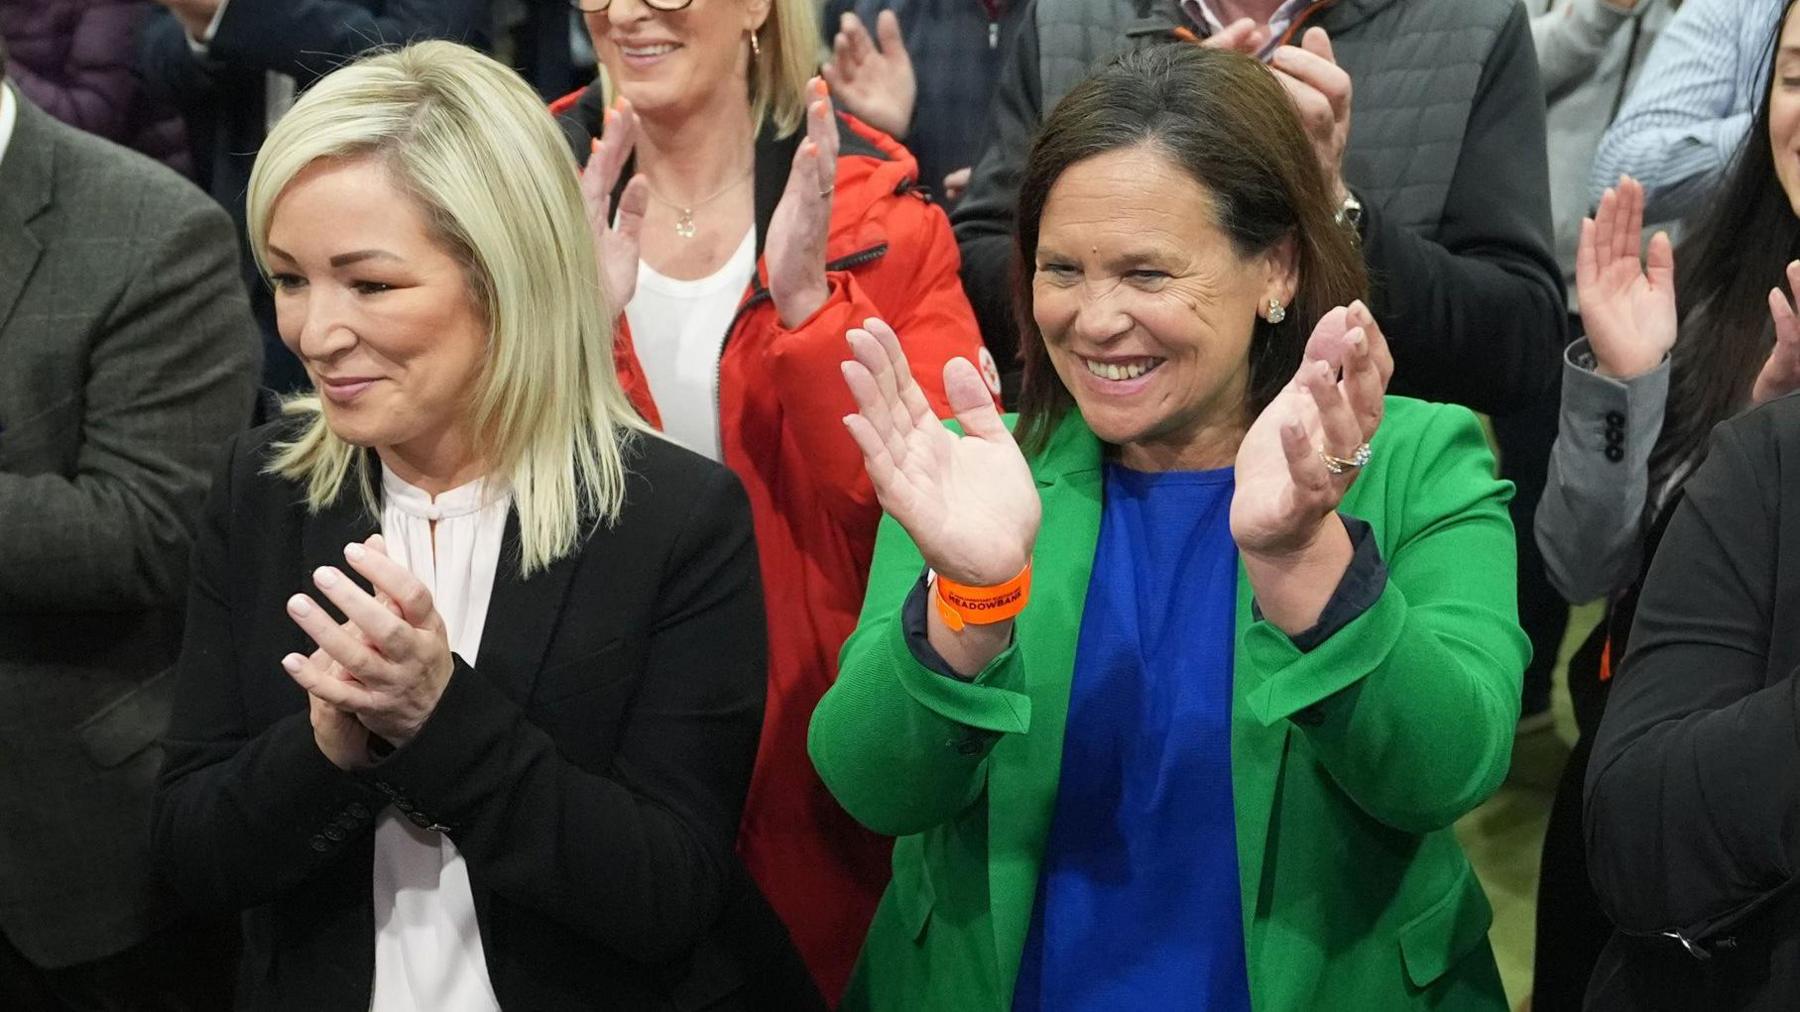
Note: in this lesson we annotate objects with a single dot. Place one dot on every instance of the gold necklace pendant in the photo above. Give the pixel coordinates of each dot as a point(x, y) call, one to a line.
point(684, 224)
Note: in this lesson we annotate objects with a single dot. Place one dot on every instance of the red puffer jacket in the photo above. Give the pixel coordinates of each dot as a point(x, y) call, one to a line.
point(781, 404)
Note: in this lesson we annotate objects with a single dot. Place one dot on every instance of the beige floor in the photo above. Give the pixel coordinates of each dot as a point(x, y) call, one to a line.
point(1504, 836)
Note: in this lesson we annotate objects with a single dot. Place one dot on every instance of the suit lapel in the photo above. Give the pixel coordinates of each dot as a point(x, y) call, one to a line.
point(26, 172)
point(326, 532)
point(1024, 772)
point(523, 615)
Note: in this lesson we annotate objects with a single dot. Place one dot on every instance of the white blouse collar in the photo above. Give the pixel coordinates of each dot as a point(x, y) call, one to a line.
point(457, 502)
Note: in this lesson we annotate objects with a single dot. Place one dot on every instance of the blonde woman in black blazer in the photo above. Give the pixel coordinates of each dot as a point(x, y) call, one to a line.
point(572, 785)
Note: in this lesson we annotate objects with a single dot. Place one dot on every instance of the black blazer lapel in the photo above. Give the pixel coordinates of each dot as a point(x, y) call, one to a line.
point(523, 616)
point(325, 533)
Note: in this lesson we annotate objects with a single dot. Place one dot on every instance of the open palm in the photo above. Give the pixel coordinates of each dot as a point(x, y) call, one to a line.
point(1284, 491)
point(969, 501)
point(1627, 305)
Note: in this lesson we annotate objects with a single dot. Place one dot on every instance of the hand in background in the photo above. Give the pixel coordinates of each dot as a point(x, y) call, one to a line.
point(874, 82)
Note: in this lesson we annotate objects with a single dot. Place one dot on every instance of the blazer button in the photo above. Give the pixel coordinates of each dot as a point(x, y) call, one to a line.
point(345, 823)
point(1615, 419)
point(418, 820)
point(357, 811)
point(334, 833)
point(1615, 436)
point(318, 843)
point(1615, 453)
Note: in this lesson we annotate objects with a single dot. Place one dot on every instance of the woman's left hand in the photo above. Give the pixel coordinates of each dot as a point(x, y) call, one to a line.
point(1287, 497)
point(389, 662)
point(795, 248)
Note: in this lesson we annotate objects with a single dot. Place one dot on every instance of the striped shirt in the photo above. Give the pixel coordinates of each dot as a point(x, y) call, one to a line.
point(1202, 15)
point(1692, 106)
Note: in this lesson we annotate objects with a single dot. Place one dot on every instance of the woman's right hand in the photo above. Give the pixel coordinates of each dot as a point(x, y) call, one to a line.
point(615, 247)
point(1627, 306)
point(969, 502)
point(1780, 374)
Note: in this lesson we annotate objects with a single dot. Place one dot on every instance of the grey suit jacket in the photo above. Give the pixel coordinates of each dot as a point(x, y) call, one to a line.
point(1588, 523)
point(127, 358)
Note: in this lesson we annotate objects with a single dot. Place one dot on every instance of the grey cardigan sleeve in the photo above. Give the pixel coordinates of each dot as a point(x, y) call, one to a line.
point(1594, 495)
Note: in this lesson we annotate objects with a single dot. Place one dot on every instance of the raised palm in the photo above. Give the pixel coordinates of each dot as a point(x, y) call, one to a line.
point(969, 501)
point(1627, 305)
point(616, 244)
point(1780, 373)
point(874, 82)
point(1284, 491)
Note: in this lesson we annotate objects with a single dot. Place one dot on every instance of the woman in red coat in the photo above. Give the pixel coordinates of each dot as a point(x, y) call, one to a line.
point(753, 227)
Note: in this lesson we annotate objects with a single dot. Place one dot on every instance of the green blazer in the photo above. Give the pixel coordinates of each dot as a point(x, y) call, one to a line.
point(1349, 763)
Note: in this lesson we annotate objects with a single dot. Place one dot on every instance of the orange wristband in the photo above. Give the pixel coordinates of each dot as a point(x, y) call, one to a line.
point(959, 603)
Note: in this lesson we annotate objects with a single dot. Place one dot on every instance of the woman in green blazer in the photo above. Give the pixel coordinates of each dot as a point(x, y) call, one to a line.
point(1224, 526)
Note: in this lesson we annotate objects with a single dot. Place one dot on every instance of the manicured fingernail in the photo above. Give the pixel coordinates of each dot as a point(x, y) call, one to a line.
point(293, 663)
point(325, 576)
point(299, 605)
point(354, 552)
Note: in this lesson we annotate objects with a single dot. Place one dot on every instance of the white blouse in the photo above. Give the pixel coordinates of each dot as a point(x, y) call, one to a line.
point(678, 330)
point(427, 944)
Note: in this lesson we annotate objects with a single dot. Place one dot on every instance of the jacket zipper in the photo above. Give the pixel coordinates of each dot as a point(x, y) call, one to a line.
point(758, 296)
point(1699, 939)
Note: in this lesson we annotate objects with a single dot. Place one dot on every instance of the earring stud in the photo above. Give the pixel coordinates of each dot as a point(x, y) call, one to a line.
point(1277, 312)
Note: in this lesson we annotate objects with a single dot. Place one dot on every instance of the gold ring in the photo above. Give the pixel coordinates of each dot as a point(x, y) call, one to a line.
point(1341, 465)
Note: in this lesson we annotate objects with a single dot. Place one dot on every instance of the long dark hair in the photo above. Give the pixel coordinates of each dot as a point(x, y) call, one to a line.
point(1225, 120)
point(1739, 248)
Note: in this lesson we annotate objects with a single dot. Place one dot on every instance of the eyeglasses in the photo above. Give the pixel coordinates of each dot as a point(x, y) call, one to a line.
point(600, 6)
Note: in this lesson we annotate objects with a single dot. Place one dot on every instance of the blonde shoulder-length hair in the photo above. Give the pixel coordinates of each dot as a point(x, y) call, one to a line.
point(790, 43)
point(789, 38)
point(470, 142)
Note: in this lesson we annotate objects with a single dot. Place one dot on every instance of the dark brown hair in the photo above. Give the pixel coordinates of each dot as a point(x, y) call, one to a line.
point(1739, 248)
point(1225, 120)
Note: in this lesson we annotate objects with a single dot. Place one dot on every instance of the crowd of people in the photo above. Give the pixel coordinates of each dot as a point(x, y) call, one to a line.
point(892, 504)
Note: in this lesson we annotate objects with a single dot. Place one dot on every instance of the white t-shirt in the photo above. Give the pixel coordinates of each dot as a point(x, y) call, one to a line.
point(678, 330)
point(427, 944)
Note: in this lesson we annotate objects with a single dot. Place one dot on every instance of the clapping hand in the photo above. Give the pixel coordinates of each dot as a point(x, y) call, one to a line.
point(1781, 373)
point(385, 667)
point(1627, 305)
point(875, 83)
point(1286, 493)
point(969, 501)
point(615, 247)
point(795, 248)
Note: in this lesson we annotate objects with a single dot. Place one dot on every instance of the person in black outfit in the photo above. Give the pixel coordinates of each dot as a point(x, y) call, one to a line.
point(1693, 842)
point(474, 667)
point(232, 67)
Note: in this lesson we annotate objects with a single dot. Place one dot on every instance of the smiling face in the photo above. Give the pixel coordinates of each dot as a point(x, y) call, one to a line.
point(1784, 109)
point(381, 315)
point(669, 63)
point(1146, 309)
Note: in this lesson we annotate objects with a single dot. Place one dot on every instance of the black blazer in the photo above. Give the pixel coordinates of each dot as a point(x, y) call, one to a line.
point(1693, 791)
point(590, 765)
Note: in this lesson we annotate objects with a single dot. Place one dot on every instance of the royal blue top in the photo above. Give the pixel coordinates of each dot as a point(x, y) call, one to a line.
point(1139, 905)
